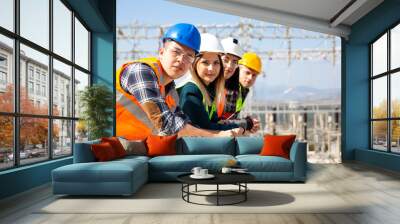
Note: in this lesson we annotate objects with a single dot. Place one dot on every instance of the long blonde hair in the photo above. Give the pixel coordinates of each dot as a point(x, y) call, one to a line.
point(219, 83)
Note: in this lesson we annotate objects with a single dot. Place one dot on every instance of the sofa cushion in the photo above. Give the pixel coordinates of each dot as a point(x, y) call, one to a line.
point(111, 171)
point(249, 145)
point(257, 163)
point(185, 163)
point(161, 145)
point(277, 145)
point(129, 159)
point(134, 147)
point(103, 151)
point(116, 145)
point(206, 145)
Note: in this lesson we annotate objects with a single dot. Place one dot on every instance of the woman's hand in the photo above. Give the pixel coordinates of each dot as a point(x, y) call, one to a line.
point(256, 125)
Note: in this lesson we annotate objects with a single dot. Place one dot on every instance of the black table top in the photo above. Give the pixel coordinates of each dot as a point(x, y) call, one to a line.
point(220, 178)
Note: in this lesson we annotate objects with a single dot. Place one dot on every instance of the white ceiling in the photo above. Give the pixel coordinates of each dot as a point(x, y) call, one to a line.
point(314, 15)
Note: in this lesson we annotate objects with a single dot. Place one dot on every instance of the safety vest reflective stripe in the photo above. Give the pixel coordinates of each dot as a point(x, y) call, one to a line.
point(239, 102)
point(133, 108)
point(214, 108)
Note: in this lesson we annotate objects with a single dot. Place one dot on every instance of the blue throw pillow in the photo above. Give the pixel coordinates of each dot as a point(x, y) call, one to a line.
point(249, 145)
point(206, 145)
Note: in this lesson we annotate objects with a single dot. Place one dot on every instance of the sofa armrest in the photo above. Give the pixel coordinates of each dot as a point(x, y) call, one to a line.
point(298, 155)
point(83, 152)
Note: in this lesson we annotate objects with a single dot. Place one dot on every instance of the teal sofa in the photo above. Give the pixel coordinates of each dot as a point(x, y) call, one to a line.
point(125, 176)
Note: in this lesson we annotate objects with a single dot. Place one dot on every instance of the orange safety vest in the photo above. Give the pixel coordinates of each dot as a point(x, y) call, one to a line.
point(131, 120)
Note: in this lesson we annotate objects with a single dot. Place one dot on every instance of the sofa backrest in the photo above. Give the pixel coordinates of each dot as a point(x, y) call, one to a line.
point(205, 145)
point(83, 152)
point(249, 145)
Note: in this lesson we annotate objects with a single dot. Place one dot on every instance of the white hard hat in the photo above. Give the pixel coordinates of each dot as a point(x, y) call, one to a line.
point(210, 43)
point(231, 46)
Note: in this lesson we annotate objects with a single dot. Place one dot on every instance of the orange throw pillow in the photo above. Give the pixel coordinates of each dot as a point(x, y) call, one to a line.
point(116, 145)
point(103, 152)
point(161, 145)
point(277, 145)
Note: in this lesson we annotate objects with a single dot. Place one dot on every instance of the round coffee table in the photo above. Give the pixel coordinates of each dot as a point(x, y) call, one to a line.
point(238, 179)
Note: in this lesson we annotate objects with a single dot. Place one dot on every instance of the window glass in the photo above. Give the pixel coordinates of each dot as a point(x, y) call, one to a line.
point(62, 141)
point(395, 47)
point(6, 142)
point(81, 131)
point(62, 29)
point(81, 81)
point(379, 97)
point(39, 62)
point(33, 139)
point(379, 135)
point(379, 56)
point(7, 14)
point(62, 91)
point(6, 74)
point(35, 21)
point(81, 45)
point(395, 138)
point(395, 94)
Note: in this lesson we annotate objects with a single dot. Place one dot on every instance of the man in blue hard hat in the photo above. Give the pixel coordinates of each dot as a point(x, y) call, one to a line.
point(147, 102)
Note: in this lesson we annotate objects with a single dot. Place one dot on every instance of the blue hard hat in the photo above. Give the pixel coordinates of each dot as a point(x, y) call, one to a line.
point(186, 34)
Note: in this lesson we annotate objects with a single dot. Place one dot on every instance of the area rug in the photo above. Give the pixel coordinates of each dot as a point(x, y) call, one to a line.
point(166, 198)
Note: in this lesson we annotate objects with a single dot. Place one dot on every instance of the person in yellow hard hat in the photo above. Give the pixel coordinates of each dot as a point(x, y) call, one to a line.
point(238, 86)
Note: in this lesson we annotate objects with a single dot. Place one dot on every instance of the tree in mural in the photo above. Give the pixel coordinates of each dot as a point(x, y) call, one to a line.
point(33, 131)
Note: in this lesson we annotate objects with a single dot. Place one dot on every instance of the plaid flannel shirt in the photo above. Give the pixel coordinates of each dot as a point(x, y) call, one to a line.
point(231, 98)
point(140, 80)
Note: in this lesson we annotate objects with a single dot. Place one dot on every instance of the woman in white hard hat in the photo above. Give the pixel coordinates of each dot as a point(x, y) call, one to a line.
point(199, 97)
point(235, 88)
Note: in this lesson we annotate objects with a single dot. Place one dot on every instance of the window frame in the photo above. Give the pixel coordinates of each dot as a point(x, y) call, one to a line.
point(16, 114)
point(388, 74)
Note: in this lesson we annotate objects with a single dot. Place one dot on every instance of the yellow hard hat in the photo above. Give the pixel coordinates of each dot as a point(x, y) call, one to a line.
point(251, 60)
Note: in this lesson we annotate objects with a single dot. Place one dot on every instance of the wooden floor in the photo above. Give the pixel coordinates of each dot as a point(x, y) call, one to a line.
point(377, 188)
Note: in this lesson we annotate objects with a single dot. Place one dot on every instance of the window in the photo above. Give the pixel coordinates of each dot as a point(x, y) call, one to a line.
point(81, 45)
point(38, 89)
point(30, 73)
point(385, 92)
point(54, 126)
point(3, 61)
point(35, 22)
point(3, 78)
point(6, 71)
point(3, 70)
point(30, 87)
point(62, 29)
point(62, 75)
point(37, 74)
point(7, 14)
point(43, 90)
